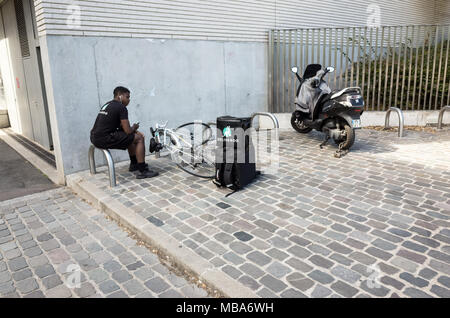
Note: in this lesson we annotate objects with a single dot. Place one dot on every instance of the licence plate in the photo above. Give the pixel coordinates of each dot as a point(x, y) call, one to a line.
point(356, 123)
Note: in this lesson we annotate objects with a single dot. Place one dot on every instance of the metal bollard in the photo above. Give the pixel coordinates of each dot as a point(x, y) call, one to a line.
point(276, 124)
point(441, 116)
point(109, 159)
point(401, 119)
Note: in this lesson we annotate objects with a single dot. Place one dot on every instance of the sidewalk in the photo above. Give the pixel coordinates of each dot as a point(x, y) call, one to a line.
point(19, 177)
point(47, 238)
point(375, 223)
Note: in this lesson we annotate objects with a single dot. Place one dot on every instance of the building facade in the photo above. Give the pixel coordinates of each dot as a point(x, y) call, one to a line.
point(183, 60)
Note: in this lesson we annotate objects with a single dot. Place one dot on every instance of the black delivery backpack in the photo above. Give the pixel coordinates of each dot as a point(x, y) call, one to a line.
point(235, 153)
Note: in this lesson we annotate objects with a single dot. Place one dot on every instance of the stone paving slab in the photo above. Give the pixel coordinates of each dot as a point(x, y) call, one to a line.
point(375, 223)
point(65, 248)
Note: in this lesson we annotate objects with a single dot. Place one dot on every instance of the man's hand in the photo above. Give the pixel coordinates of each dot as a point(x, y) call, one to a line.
point(135, 127)
point(126, 127)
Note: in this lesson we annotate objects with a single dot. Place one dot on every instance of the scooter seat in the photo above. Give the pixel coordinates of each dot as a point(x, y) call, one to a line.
point(348, 90)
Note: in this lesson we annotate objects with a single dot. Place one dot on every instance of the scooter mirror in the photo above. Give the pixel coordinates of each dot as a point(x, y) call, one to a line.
point(295, 69)
point(330, 69)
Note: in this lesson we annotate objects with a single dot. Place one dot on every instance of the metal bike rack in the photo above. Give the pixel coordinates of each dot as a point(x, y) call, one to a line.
point(111, 169)
point(441, 116)
point(401, 119)
point(271, 116)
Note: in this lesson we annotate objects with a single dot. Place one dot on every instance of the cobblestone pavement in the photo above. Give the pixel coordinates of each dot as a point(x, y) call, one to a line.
point(49, 239)
point(372, 224)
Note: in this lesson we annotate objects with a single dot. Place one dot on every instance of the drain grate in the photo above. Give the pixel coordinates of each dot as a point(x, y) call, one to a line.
point(37, 150)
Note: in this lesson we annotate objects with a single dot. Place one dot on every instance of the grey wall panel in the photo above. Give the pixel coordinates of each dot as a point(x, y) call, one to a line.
point(34, 88)
point(7, 80)
point(235, 20)
point(332, 13)
point(442, 11)
point(245, 84)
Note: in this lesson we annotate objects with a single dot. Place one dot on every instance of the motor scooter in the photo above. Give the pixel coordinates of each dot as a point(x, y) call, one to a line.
point(335, 113)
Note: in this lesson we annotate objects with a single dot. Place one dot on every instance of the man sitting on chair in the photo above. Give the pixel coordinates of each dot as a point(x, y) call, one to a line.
point(112, 131)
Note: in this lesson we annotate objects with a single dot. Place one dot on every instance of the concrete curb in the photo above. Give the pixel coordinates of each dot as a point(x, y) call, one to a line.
point(154, 236)
point(29, 197)
point(371, 118)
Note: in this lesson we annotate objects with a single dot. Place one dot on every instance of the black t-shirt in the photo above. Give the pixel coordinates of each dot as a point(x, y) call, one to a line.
point(108, 120)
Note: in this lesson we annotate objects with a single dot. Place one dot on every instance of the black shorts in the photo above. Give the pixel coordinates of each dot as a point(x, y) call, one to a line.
point(116, 140)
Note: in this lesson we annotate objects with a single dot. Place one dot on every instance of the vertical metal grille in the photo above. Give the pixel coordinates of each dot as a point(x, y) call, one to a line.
point(396, 66)
point(21, 25)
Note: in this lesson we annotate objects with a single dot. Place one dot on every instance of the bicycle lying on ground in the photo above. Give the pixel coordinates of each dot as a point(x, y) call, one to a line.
point(191, 146)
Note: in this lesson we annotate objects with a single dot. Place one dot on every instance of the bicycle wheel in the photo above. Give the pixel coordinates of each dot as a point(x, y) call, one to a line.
point(198, 161)
point(197, 133)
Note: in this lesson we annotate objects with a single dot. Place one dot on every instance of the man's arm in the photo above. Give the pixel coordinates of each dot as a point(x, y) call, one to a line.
point(126, 127)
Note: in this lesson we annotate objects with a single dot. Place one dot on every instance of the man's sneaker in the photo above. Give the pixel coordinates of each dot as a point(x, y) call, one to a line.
point(135, 167)
point(146, 174)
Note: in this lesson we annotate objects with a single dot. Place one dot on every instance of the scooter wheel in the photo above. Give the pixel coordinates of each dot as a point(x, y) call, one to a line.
point(298, 125)
point(349, 140)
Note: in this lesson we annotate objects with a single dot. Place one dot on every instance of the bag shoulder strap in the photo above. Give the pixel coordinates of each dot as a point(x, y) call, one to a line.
point(228, 175)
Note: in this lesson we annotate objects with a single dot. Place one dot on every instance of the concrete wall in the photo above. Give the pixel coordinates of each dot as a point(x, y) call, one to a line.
point(175, 80)
point(234, 20)
point(442, 11)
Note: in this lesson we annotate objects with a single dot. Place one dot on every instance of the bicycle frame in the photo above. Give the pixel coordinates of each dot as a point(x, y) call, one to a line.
point(179, 142)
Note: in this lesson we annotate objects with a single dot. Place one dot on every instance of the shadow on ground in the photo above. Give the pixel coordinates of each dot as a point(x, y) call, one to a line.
point(18, 176)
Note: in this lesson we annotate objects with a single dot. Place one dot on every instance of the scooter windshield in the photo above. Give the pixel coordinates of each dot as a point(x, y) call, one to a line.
point(309, 94)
